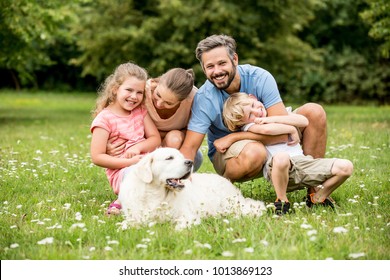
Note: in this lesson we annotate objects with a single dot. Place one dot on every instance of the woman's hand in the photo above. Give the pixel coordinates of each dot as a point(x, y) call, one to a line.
point(117, 148)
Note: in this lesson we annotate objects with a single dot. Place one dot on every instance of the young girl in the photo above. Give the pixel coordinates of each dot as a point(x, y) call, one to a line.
point(120, 111)
point(287, 168)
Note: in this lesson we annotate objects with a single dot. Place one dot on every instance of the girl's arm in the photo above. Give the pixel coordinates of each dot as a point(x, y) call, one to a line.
point(290, 119)
point(99, 155)
point(153, 139)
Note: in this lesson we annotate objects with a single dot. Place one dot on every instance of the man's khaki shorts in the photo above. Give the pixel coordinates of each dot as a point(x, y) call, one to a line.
point(219, 159)
point(306, 171)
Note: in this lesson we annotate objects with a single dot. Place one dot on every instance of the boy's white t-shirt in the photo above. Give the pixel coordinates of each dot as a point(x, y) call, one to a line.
point(272, 150)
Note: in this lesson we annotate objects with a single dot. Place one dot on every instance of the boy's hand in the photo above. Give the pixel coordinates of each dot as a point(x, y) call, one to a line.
point(293, 138)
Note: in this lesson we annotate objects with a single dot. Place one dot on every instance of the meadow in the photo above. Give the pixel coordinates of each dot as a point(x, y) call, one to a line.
point(53, 199)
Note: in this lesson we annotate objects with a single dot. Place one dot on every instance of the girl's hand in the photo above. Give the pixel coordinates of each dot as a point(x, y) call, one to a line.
point(117, 148)
point(130, 153)
point(136, 158)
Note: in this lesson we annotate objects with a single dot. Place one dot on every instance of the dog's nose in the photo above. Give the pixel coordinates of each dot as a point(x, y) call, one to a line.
point(189, 163)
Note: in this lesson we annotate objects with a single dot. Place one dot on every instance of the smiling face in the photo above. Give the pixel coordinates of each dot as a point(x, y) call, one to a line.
point(219, 68)
point(164, 98)
point(255, 109)
point(129, 95)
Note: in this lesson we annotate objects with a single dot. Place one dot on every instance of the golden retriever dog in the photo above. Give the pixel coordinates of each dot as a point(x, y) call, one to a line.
point(161, 187)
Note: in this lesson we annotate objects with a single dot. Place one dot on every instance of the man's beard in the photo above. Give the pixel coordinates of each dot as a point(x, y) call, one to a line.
point(228, 83)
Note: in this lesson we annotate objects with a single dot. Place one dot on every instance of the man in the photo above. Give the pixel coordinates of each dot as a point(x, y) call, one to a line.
point(240, 156)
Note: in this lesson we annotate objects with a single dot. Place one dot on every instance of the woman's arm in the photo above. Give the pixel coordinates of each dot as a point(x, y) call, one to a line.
point(99, 155)
point(152, 141)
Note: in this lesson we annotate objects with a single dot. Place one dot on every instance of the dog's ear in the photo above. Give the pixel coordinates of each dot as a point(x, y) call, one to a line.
point(144, 169)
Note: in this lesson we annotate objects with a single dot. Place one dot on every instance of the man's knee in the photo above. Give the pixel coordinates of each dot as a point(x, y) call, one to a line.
point(253, 154)
point(314, 112)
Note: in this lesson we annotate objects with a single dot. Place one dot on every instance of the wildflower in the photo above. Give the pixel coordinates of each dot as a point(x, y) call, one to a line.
point(108, 248)
point(264, 242)
point(227, 254)
point(77, 225)
point(249, 250)
point(113, 242)
point(78, 216)
point(48, 240)
point(239, 240)
point(188, 252)
point(311, 232)
point(356, 255)
point(305, 226)
point(14, 245)
point(340, 230)
point(142, 246)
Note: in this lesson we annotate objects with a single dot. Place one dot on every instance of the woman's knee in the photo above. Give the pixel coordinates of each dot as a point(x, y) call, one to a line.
point(173, 139)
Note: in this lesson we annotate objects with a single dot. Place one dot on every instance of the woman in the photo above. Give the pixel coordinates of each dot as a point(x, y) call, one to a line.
point(168, 100)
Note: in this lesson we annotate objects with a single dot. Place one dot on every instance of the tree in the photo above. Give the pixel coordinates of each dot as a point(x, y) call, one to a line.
point(28, 31)
point(161, 34)
point(378, 16)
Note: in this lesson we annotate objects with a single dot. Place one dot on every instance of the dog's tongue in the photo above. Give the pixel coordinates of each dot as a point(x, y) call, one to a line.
point(175, 183)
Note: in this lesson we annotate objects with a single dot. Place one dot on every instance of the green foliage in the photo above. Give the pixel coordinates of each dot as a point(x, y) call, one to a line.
point(318, 50)
point(351, 69)
point(163, 34)
point(378, 16)
point(29, 30)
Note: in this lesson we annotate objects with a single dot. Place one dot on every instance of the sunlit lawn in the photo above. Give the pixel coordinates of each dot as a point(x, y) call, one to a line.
point(53, 200)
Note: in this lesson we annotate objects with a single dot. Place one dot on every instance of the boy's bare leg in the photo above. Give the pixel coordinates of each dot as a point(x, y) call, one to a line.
point(342, 169)
point(314, 136)
point(279, 175)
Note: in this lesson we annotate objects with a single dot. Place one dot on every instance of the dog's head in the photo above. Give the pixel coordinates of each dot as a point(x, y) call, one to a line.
point(165, 166)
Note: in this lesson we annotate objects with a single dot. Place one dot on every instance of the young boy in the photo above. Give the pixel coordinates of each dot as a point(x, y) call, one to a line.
point(287, 168)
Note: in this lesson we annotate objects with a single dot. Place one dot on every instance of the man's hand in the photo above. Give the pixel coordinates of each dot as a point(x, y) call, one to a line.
point(222, 144)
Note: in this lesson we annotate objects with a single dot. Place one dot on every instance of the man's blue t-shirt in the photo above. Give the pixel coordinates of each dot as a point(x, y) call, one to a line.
point(208, 102)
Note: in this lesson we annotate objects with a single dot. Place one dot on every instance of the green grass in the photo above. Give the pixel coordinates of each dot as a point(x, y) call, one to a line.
point(50, 189)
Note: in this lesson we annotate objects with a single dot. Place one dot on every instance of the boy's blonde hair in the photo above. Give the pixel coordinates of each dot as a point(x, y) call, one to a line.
point(107, 91)
point(233, 110)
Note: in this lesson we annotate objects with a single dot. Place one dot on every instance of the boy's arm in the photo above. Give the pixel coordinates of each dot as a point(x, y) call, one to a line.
point(276, 129)
point(290, 119)
point(272, 129)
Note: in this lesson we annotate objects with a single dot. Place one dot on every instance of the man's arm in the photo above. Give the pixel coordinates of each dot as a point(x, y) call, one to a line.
point(191, 144)
point(222, 144)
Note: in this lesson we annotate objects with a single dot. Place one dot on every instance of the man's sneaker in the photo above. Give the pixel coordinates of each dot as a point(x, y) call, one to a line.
point(281, 207)
point(327, 202)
